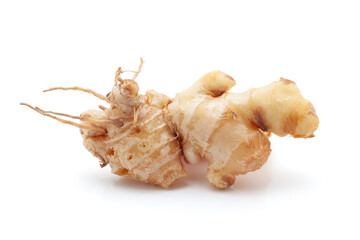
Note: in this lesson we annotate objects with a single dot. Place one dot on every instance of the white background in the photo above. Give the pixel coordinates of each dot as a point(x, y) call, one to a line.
point(52, 188)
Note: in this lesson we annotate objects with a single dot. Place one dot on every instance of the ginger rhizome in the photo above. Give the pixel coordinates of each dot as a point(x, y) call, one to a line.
point(227, 129)
point(150, 137)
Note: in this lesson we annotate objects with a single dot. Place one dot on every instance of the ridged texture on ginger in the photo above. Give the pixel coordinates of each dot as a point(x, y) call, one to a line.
point(227, 129)
point(147, 150)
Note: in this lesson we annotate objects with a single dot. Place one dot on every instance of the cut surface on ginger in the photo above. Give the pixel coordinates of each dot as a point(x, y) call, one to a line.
point(149, 137)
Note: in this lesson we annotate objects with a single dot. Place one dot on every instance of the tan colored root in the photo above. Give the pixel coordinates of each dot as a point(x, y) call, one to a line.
point(98, 95)
point(60, 114)
point(48, 114)
point(119, 71)
point(102, 108)
point(139, 69)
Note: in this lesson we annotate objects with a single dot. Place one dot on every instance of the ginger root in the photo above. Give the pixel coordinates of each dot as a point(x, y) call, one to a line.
point(148, 137)
point(227, 129)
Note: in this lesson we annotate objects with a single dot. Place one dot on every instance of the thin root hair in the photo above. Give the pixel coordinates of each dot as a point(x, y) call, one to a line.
point(119, 71)
point(48, 114)
point(98, 95)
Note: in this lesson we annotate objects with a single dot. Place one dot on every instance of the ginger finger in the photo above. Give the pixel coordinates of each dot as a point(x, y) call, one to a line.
point(227, 129)
point(278, 108)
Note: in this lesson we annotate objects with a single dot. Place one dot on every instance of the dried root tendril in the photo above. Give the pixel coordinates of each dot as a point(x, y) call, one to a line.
point(48, 114)
point(119, 71)
point(98, 95)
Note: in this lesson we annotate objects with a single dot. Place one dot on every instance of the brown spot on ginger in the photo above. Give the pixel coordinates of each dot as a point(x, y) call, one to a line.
point(228, 180)
point(259, 119)
point(216, 92)
point(291, 122)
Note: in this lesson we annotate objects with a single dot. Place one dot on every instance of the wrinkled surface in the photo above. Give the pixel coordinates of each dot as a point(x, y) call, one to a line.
point(227, 129)
point(146, 150)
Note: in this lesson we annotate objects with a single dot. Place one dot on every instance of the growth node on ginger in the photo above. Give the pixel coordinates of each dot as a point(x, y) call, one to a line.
point(149, 137)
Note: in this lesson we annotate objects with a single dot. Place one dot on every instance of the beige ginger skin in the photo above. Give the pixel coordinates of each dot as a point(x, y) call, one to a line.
point(149, 137)
point(227, 129)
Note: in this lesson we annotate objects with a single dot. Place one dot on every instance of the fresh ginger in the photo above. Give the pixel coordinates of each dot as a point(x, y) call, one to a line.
point(227, 129)
point(149, 137)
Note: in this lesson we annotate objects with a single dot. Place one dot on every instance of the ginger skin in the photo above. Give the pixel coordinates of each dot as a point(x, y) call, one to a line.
point(140, 145)
point(147, 137)
point(227, 129)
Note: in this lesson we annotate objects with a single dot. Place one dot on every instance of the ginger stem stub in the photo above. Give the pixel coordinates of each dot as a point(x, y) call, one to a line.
point(149, 137)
